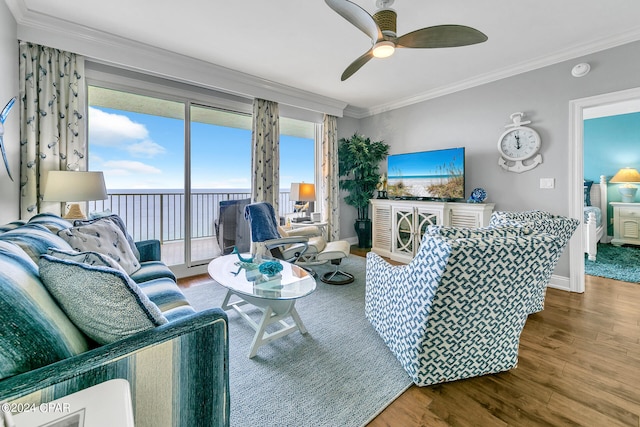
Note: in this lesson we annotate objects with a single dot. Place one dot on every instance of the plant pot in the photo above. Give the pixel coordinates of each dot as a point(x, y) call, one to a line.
point(363, 230)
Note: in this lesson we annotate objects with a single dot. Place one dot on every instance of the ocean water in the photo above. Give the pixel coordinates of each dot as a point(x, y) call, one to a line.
point(160, 213)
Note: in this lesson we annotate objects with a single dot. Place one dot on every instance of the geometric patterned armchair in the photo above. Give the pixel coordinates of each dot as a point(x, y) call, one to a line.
point(541, 222)
point(457, 310)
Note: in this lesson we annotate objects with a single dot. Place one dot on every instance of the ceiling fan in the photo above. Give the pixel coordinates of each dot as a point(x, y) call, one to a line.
point(381, 28)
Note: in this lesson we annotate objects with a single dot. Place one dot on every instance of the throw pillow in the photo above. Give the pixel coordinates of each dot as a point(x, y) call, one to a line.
point(34, 239)
point(103, 237)
point(51, 221)
point(34, 331)
point(90, 258)
point(587, 192)
point(108, 216)
point(102, 302)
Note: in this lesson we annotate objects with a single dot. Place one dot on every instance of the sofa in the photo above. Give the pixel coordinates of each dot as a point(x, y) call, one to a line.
point(458, 309)
point(70, 320)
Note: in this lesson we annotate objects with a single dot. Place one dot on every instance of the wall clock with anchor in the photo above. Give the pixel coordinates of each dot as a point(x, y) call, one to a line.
point(519, 146)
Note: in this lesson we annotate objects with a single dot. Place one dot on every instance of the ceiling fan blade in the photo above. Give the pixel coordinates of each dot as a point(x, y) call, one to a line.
point(356, 16)
point(356, 65)
point(441, 36)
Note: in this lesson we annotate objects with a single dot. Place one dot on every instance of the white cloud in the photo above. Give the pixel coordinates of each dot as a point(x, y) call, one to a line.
point(113, 129)
point(119, 131)
point(128, 167)
point(146, 148)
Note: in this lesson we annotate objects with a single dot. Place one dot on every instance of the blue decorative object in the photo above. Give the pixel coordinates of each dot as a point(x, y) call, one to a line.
point(270, 268)
point(3, 117)
point(237, 252)
point(477, 195)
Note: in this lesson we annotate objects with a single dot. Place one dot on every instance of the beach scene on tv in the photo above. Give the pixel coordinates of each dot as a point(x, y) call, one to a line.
point(435, 174)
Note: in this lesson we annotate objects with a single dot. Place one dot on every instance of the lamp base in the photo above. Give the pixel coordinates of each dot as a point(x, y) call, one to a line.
point(628, 194)
point(74, 212)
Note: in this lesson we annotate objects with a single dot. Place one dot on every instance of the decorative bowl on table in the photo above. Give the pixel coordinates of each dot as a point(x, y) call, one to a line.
point(270, 268)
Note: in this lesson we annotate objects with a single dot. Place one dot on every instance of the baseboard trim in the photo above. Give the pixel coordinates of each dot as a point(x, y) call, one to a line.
point(351, 240)
point(560, 282)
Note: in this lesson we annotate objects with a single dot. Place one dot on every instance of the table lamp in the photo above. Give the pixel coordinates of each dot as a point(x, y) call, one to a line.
point(74, 186)
point(302, 192)
point(626, 176)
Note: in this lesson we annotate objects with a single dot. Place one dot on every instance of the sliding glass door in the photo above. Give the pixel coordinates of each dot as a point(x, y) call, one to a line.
point(220, 173)
point(173, 166)
point(138, 143)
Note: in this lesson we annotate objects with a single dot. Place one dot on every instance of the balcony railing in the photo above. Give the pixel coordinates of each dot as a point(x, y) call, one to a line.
point(160, 214)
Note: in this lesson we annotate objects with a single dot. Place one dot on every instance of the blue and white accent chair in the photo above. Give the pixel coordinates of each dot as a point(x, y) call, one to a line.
point(541, 222)
point(457, 310)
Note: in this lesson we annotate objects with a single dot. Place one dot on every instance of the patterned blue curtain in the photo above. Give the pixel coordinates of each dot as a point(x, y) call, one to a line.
point(265, 156)
point(52, 124)
point(330, 189)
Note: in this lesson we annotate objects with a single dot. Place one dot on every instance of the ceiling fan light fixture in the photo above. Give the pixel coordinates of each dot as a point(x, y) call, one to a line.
point(384, 49)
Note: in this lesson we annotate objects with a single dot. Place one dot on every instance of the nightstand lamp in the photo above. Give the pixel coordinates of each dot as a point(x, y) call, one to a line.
point(72, 186)
point(301, 194)
point(627, 176)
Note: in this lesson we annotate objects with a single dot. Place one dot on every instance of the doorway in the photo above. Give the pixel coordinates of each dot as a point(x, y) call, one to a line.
point(576, 159)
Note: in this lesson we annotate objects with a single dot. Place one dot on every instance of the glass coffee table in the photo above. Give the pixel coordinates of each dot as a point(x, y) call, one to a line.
point(275, 296)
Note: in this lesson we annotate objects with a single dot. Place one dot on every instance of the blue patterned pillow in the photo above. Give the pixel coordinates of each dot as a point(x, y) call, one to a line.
point(104, 237)
point(53, 222)
point(34, 239)
point(91, 258)
point(108, 216)
point(587, 192)
point(11, 226)
point(34, 331)
point(102, 302)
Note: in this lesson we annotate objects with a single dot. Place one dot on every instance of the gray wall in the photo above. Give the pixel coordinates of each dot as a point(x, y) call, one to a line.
point(9, 190)
point(475, 118)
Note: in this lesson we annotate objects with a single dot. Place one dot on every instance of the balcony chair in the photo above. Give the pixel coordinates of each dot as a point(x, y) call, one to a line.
point(231, 228)
point(305, 246)
point(457, 310)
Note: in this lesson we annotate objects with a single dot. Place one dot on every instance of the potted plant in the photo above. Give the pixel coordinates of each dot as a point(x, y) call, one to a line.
point(358, 159)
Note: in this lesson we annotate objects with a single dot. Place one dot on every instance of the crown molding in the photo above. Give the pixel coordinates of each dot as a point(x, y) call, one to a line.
point(118, 51)
point(536, 63)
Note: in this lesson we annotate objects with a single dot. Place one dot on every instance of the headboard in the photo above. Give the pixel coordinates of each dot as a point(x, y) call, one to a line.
point(599, 197)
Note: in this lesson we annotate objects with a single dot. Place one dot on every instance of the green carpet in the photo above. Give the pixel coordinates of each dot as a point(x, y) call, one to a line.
point(619, 263)
point(339, 374)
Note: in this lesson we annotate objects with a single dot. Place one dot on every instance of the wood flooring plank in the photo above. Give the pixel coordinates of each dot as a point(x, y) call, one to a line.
point(579, 365)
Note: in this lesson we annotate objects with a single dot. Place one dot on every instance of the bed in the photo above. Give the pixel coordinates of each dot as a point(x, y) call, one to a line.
point(595, 216)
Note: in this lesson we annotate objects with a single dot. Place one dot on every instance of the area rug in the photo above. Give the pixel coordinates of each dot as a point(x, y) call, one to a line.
point(339, 374)
point(618, 263)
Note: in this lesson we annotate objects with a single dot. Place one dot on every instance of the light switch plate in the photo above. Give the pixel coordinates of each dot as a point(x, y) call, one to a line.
point(547, 183)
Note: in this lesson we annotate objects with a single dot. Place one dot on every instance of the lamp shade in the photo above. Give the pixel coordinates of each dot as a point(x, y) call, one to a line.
point(71, 186)
point(302, 192)
point(626, 176)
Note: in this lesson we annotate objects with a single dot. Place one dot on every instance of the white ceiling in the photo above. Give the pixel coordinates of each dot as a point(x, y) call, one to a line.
point(306, 45)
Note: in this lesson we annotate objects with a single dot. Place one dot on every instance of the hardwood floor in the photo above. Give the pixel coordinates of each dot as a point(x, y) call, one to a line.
point(579, 364)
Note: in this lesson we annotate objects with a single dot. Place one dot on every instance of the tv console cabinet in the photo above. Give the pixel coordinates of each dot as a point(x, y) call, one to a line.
point(398, 225)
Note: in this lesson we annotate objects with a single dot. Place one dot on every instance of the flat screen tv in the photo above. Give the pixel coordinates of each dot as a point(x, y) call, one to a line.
point(427, 175)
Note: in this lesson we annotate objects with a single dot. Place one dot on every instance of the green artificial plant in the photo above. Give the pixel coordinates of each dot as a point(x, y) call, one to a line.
point(358, 159)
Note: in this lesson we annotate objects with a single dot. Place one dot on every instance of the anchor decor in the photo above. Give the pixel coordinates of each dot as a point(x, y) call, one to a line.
point(519, 144)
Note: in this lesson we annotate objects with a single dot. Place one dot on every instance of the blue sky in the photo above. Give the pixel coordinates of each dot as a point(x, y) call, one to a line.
point(141, 151)
point(425, 162)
